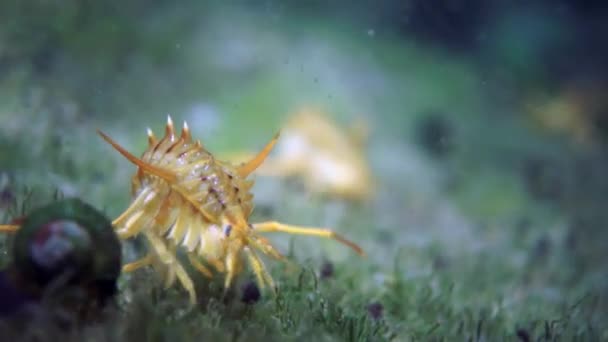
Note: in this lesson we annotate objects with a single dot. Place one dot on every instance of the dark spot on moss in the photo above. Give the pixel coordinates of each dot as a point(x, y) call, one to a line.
point(375, 310)
point(251, 293)
point(98, 177)
point(571, 239)
point(265, 210)
point(523, 335)
point(7, 197)
point(440, 263)
point(599, 119)
point(227, 230)
point(434, 134)
point(43, 60)
point(541, 248)
point(327, 270)
point(541, 178)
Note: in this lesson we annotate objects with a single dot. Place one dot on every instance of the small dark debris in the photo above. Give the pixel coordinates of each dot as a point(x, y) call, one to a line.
point(42, 60)
point(327, 270)
point(251, 293)
point(523, 335)
point(383, 236)
point(599, 119)
point(542, 179)
point(435, 134)
point(571, 240)
point(548, 328)
point(7, 197)
point(440, 263)
point(542, 247)
point(375, 310)
point(265, 210)
point(98, 177)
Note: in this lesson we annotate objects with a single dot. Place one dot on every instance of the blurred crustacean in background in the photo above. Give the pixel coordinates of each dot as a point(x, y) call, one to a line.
point(328, 158)
point(578, 110)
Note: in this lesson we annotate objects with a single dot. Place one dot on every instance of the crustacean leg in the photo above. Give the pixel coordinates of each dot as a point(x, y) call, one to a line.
point(273, 226)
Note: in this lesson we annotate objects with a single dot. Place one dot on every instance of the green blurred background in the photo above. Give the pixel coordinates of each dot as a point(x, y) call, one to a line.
point(488, 140)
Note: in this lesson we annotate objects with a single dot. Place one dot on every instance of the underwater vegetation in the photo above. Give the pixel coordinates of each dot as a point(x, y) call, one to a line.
point(480, 188)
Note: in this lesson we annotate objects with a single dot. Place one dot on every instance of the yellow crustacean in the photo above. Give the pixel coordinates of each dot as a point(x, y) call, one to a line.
point(330, 160)
point(185, 198)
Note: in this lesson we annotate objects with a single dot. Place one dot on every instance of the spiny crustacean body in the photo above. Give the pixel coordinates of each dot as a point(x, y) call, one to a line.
point(184, 197)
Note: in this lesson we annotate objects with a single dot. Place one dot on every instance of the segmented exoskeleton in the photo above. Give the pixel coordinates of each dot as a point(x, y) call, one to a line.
point(184, 197)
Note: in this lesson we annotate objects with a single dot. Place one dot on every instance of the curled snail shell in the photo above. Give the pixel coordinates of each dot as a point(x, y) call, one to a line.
point(67, 244)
